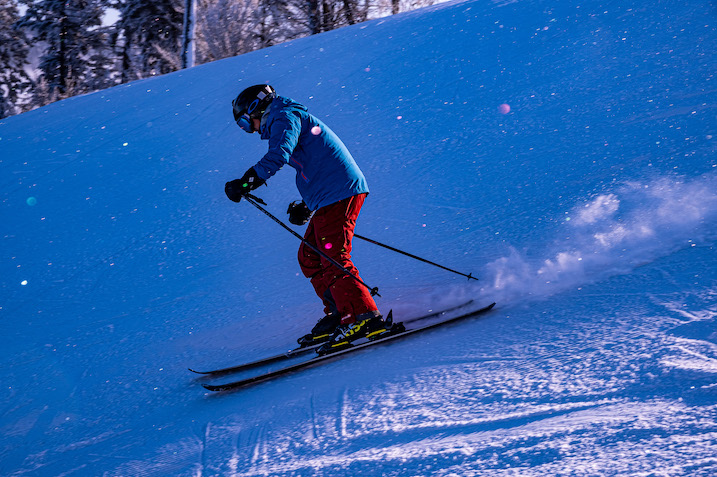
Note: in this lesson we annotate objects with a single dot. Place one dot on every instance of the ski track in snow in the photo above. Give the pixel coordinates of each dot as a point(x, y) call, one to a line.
point(520, 439)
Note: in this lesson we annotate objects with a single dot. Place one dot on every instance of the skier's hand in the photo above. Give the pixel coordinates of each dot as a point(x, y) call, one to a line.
point(299, 213)
point(237, 188)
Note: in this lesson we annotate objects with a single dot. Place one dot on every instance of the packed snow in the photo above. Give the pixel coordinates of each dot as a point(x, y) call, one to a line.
point(561, 152)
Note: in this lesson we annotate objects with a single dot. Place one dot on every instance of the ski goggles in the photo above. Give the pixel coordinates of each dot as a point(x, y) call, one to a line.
point(244, 122)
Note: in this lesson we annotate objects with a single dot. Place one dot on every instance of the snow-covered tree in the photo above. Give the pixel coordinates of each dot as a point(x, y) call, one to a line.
point(231, 27)
point(74, 41)
point(149, 37)
point(325, 15)
point(14, 49)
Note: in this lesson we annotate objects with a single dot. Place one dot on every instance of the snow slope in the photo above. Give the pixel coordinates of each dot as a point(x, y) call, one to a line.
point(589, 212)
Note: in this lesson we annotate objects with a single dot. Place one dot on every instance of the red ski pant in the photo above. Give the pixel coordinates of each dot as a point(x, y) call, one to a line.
point(331, 230)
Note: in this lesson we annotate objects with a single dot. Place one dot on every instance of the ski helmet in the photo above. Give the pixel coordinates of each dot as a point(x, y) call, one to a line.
point(251, 104)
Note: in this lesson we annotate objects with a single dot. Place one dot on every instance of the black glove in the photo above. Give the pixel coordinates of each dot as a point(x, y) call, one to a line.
point(299, 213)
point(237, 188)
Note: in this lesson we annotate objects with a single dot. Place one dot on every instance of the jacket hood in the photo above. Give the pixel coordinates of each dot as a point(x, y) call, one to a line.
point(282, 102)
point(279, 104)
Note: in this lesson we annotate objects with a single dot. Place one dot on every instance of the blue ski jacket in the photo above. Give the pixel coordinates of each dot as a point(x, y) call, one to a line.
point(325, 170)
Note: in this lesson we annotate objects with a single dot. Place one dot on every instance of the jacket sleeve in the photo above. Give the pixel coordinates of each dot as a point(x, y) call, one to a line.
point(283, 138)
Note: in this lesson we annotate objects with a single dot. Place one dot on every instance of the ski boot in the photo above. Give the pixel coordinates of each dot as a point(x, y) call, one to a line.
point(322, 331)
point(389, 328)
point(345, 334)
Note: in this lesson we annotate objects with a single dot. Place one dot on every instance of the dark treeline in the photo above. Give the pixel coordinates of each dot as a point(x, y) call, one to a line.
point(54, 49)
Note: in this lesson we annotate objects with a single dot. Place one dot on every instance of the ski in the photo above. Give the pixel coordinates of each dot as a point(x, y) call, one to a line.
point(292, 353)
point(321, 359)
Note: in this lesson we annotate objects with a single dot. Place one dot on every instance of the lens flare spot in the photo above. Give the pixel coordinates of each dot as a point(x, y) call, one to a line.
point(328, 246)
point(23, 283)
point(316, 130)
point(31, 201)
point(504, 108)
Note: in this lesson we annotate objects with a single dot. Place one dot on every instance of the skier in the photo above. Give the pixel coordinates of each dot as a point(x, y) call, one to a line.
point(332, 185)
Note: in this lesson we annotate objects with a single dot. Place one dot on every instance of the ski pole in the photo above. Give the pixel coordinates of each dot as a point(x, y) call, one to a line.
point(469, 276)
point(253, 200)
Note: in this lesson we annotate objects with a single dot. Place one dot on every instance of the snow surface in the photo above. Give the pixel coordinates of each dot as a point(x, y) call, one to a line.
point(588, 209)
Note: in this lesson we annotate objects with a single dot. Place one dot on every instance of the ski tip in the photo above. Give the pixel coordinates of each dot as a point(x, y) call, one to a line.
point(197, 372)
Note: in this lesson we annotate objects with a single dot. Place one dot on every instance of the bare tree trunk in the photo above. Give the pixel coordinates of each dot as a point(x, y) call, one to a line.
point(127, 58)
point(188, 49)
point(314, 16)
point(326, 21)
point(64, 73)
point(349, 10)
